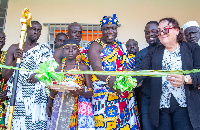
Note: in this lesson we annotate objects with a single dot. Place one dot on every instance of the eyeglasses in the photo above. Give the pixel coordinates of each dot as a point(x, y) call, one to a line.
point(165, 31)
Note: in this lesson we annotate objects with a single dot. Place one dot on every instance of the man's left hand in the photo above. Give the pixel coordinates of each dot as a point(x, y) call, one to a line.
point(32, 78)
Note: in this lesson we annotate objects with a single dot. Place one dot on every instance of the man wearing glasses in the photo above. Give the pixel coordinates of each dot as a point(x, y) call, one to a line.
point(191, 31)
point(144, 91)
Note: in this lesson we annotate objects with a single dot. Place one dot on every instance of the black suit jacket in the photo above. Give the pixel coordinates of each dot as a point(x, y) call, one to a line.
point(145, 88)
point(190, 56)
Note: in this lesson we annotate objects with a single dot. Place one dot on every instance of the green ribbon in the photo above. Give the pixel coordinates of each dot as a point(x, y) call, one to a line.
point(11, 67)
point(47, 72)
point(125, 83)
point(151, 73)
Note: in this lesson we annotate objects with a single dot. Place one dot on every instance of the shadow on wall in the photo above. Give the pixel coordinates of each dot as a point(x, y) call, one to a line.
point(142, 46)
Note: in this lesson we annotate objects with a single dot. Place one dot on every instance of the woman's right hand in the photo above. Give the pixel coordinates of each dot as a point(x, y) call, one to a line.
point(18, 53)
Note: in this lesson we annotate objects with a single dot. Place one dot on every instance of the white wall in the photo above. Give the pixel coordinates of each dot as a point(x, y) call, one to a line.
point(132, 14)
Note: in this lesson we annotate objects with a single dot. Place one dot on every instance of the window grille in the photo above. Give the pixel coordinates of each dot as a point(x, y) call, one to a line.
point(90, 32)
point(3, 13)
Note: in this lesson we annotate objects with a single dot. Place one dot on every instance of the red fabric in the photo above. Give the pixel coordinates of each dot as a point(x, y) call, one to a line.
point(124, 95)
point(84, 51)
point(120, 52)
point(118, 64)
point(85, 108)
point(122, 105)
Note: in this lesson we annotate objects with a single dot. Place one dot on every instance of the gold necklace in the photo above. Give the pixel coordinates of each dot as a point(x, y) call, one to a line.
point(101, 43)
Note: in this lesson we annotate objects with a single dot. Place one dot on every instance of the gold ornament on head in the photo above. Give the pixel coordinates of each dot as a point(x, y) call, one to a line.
point(109, 20)
point(70, 44)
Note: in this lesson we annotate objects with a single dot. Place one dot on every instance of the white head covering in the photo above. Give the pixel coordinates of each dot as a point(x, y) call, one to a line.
point(189, 24)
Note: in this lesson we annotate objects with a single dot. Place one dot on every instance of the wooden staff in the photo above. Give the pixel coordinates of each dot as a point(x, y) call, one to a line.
point(26, 22)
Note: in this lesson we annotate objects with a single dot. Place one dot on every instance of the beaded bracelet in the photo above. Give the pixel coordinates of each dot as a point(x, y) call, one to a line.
point(51, 97)
point(107, 79)
point(89, 89)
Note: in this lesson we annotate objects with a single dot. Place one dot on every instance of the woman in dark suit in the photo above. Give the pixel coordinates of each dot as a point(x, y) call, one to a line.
point(175, 99)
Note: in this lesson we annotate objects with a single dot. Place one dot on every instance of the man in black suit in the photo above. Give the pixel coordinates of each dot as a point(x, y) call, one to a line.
point(144, 91)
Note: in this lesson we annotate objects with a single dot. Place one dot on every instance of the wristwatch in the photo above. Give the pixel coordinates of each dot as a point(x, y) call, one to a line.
point(185, 79)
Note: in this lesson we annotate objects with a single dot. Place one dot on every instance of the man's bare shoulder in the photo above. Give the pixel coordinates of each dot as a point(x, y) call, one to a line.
point(57, 53)
point(95, 47)
point(13, 47)
point(58, 50)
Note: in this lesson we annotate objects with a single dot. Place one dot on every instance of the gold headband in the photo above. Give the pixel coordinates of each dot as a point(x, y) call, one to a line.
point(70, 44)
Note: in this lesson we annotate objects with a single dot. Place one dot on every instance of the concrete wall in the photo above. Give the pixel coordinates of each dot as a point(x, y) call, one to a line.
point(132, 14)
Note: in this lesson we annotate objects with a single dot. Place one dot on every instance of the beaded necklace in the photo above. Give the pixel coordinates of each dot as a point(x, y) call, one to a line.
point(77, 78)
point(2, 61)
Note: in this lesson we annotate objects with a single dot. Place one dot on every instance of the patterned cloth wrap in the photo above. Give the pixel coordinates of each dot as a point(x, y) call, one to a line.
point(131, 58)
point(3, 84)
point(69, 111)
point(31, 98)
point(112, 111)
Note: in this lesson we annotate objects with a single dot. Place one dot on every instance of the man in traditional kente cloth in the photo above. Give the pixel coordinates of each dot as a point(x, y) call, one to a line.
point(111, 111)
point(31, 97)
point(3, 84)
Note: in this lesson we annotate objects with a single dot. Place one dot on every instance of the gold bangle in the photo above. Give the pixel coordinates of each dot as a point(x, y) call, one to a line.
point(51, 97)
point(107, 80)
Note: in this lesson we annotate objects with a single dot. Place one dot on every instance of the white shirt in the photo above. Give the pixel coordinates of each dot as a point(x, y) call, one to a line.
point(172, 61)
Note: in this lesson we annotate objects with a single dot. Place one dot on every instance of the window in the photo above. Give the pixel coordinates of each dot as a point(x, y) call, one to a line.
point(3, 13)
point(90, 32)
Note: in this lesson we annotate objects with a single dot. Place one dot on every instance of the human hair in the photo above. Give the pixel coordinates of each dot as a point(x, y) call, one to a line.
point(36, 22)
point(61, 34)
point(73, 24)
point(174, 22)
point(70, 41)
point(131, 40)
point(152, 22)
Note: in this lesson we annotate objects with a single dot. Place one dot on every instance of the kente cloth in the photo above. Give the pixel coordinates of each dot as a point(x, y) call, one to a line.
point(31, 98)
point(72, 112)
point(3, 107)
point(131, 58)
point(112, 111)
